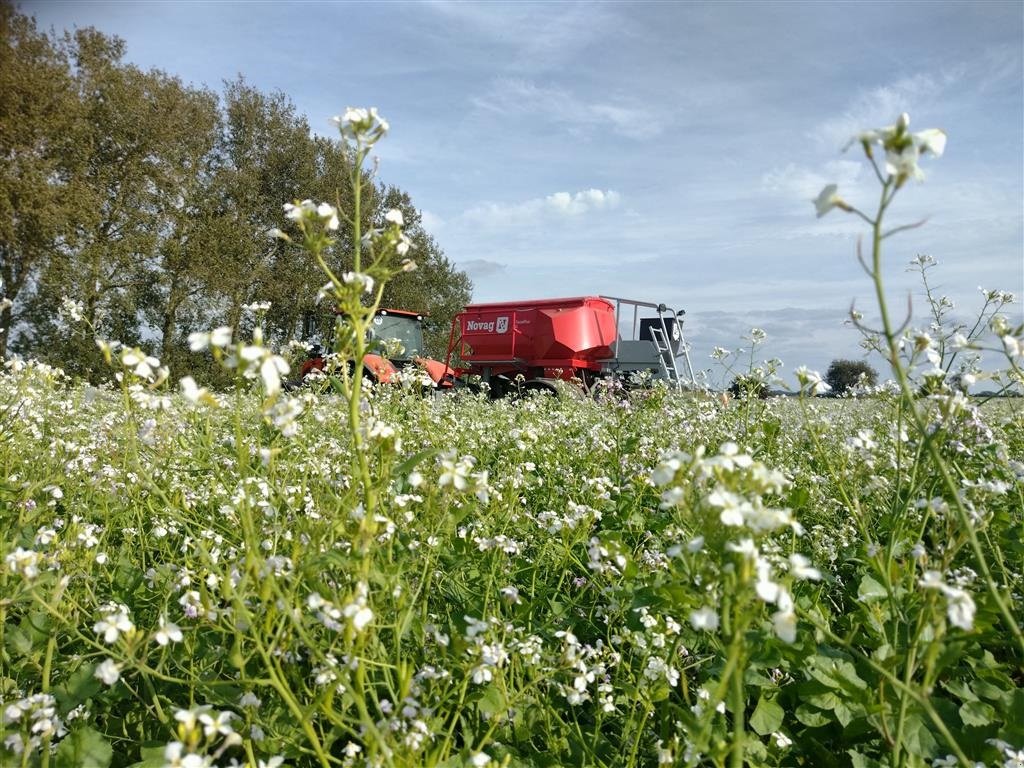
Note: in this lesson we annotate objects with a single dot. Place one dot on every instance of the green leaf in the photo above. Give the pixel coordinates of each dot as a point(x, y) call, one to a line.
point(918, 739)
point(1013, 728)
point(80, 686)
point(413, 461)
point(84, 748)
point(870, 590)
point(960, 689)
point(767, 716)
point(811, 716)
point(492, 702)
point(857, 760)
point(18, 641)
point(152, 757)
point(977, 713)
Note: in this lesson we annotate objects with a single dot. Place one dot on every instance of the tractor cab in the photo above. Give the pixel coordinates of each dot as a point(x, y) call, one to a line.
point(407, 328)
point(403, 325)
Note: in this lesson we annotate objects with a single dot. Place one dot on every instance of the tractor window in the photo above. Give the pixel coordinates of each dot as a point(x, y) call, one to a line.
point(406, 329)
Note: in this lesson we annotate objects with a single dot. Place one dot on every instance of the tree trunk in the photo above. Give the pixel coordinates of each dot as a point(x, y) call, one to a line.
point(170, 323)
point(6, 315)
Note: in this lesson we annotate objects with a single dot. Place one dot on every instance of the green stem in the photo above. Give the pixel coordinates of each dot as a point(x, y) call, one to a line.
point(931, 446)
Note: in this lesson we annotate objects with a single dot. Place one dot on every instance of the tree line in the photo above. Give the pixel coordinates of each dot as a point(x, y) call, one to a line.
point(148, 201)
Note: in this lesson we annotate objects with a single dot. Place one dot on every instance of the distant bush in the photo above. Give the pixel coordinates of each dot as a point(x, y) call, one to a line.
point(748, 386)
point(842, 375)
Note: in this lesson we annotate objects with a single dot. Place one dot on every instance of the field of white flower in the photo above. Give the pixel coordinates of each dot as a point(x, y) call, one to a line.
point(354, 575)
point(646, 579)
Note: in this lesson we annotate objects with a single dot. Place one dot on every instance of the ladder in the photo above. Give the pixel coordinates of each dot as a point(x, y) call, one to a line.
point(661, 338)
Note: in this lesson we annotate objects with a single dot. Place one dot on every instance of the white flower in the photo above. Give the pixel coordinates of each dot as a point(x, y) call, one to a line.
point(361, 618)
point(455, 473)
point(169, 632)
point(73, 309)
point(511, 595)
point(358, 612)
point(23, 561)
point(766, 589)
point(114, 623)
point(192, 392)
point(801, 568)
point(811, 380)
point(217, 724)
point(198, 341)
point(705, 619)
point(109, 672)
point(176, 757)
point(220, 337)
point(827, 199)
point(480, 759)
point(271, 370)
point(189, 718)
point(1012, 346)
point(745, 547)
point(296, 212)
point(784, 619)
point(328, 213)
point(931, 140)
point(361, 124)
point(960, 608)
point(359, 280)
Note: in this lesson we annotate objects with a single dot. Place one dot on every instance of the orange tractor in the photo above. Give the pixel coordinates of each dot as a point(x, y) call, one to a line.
point(407, 328)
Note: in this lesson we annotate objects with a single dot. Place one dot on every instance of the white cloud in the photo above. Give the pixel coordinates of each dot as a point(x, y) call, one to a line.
point(799, 182)
point(514, 96)
point(477, 268)
point(936, 93)
point(559, 205)
point(531, 38)
point(431, 221)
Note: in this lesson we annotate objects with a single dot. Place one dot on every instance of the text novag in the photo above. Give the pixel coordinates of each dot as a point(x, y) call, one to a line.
point(487, 326)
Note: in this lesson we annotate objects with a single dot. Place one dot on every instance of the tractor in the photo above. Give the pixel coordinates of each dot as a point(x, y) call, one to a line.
point(407, 328)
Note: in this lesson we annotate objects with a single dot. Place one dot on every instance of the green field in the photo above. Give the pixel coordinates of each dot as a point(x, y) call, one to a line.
point(645, 579)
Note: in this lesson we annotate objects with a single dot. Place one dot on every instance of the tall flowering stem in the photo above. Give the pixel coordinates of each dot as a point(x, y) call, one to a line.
point(903, 151)
point(378, 254)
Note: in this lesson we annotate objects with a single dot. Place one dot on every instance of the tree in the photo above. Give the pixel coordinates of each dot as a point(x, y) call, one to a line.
point(149, 202)
point(842, 375)
point(136, 155)
point(268, 159)
point(436, 287)
point(748, 386)
point(37, 109)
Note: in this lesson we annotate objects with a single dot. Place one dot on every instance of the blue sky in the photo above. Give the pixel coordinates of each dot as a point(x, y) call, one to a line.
point(659, 151)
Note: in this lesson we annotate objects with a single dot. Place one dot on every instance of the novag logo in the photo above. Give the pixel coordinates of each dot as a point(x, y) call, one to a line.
point(499, 325)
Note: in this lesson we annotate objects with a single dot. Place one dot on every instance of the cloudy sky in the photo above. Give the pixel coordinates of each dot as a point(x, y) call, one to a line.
point(659, 151)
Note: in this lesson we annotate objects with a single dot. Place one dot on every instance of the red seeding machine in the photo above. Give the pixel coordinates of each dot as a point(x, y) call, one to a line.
point(523, 346)
point(573, 339)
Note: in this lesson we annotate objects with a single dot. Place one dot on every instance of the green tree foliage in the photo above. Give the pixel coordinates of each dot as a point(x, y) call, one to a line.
point(149, 201)
point(844, 374)
point(748, 386)
point(37, 108)
point(436, 287)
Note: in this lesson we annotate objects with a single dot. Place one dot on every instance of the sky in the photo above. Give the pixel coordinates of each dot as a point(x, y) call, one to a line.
point(660, 151)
